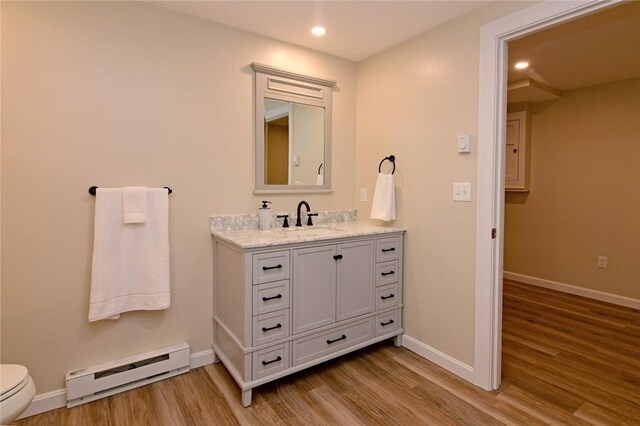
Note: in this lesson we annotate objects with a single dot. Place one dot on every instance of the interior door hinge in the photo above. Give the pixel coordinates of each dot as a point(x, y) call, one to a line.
point(493, 233)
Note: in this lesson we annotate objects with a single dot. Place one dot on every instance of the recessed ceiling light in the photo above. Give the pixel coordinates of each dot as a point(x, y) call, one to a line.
point(522, 65)
point(318, 31)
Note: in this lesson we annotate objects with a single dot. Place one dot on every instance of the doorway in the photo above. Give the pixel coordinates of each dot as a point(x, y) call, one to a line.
point(491, 159)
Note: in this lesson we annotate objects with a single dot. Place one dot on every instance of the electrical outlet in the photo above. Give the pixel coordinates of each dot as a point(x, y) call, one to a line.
point(363, 194)
point(602, 262)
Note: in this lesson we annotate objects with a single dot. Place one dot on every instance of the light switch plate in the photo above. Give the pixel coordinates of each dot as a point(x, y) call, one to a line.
point(363, 194)
point(462, 191)
point(464, 142)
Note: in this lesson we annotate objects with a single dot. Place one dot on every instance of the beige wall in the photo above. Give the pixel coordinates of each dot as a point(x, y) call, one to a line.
point(114, 94)
point(584, 200)
point(413, 100)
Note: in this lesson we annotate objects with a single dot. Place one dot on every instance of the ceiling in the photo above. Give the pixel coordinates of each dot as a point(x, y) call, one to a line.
point(596, 49)
point(600, 48)
point(355, 29)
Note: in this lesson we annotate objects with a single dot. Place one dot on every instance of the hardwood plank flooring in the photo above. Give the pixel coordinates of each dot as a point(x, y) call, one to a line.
point(567, 360)
point(580, 355)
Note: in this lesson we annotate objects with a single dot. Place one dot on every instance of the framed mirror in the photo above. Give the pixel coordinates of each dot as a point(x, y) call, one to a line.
point(293, 131)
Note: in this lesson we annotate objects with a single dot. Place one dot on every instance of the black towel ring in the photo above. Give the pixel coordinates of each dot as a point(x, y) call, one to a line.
point(92, 190)
point(392, 159)
point(320, 167)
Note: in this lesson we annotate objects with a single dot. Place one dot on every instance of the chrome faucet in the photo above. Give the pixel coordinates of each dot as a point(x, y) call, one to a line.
point(309, 214)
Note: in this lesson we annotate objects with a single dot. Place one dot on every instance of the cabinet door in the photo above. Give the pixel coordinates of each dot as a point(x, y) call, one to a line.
point(355, 280)
point(512, 153)
point(314, 287)
point(517, 159)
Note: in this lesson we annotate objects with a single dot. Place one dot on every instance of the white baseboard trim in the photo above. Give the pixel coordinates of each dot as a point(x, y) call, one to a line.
point(202, 358)
point(46, 402)
point(441, 359)
point(572, 289)
point(58, 398)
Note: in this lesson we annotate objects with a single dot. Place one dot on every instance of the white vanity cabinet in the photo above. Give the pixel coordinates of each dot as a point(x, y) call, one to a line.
point(332, 283)
point(284, 307)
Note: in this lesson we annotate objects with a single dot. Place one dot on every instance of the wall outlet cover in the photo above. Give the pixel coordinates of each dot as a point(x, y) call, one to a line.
point(603, 262)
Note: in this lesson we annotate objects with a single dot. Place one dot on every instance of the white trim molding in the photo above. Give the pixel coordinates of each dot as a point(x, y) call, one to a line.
point(46, 402)
point(202, 358)
point(58, 398)
point(575, 290)
point(441, 359)
point(490, 188)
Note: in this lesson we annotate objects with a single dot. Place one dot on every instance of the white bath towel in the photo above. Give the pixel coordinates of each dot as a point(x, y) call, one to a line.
point(320, 179)
point(384, 199)
point(134, 204)
point(130, 269)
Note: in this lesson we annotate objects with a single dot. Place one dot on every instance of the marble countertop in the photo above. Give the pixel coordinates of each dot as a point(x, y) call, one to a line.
point(254, 238)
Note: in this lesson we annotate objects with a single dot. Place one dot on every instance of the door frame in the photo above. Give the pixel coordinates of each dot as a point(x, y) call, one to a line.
point(491, 141)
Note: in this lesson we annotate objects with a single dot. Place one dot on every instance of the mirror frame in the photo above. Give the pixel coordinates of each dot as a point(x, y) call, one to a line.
point(283, 85)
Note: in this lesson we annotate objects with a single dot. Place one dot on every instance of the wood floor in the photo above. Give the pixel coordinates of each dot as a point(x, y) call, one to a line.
point(566, 360)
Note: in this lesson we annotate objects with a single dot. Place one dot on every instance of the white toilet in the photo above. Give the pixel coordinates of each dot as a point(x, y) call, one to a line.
point(17, 389)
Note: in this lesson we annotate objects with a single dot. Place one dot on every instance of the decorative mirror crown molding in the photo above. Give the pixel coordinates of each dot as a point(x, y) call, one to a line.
point(267, 69)
point(304, 105)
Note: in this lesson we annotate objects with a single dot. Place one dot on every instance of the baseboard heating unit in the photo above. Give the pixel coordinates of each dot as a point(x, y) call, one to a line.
point(108, 379)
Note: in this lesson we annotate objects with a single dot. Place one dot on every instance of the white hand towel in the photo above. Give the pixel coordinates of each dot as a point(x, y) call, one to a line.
point(384, 199)
point(320, 179)
point(130, 269)
point(134, 204)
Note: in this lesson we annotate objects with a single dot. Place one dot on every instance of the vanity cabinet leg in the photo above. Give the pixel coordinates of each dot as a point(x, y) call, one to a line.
point(398, 340)
point(246, 398)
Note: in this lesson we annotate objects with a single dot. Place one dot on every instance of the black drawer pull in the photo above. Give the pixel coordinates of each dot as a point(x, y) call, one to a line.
point(272, 361)
point(265, 329)
point(386, 323)
point(385, 297)
point(344, 336)
point(337, 257)
point(387, 273)
point(277, 296)
point(389, 249)
point(266, 268)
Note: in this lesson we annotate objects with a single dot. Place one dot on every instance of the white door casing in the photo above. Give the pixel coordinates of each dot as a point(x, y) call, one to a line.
point(491, 170)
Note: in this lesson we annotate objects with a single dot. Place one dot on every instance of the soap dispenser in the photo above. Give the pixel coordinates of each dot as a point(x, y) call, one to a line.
point(265, 216)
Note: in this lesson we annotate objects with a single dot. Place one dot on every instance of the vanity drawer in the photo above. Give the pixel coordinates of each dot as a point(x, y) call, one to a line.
point(317, 345)
point(387, 272)
point(271, 360)
point(272, 266)
point(387, 249)
point(387, 296)
point(270, 327)
point(386, 323)
point(270, 297)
